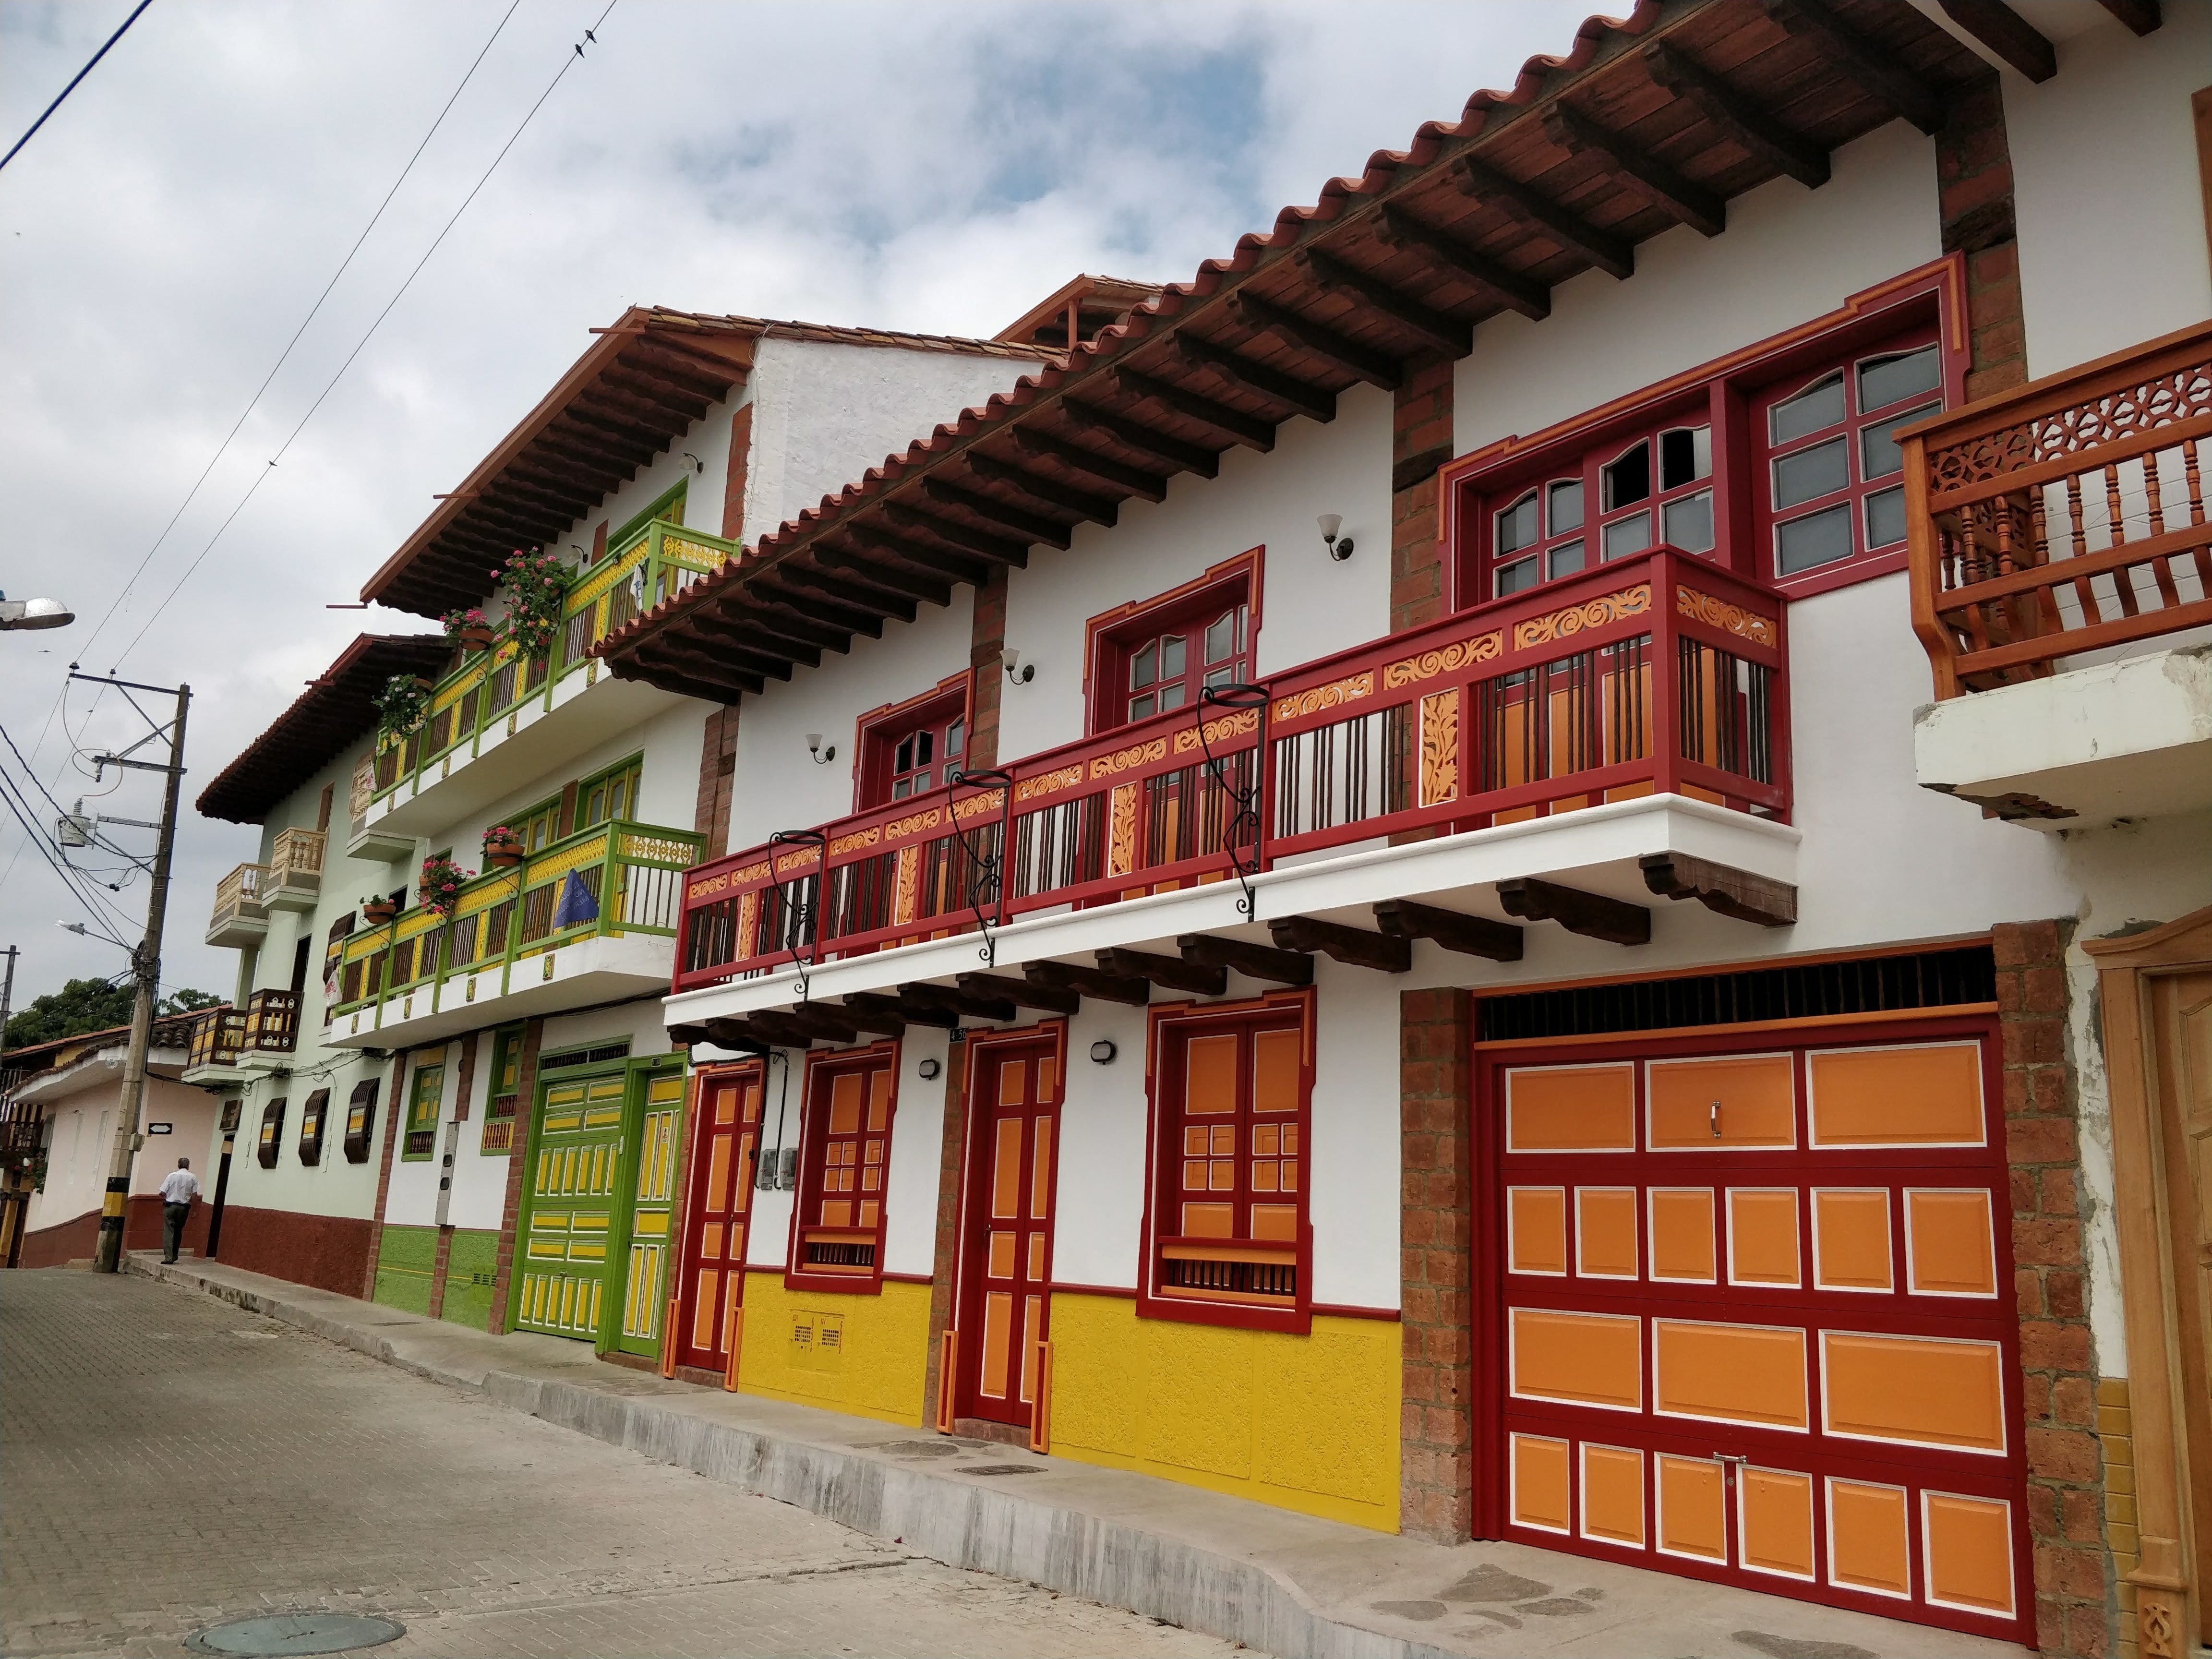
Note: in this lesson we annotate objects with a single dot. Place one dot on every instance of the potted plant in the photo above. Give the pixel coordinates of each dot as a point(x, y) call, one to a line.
point(536, 586)
point(468, 628)
point(404, 704)
point(503, 846)
point(375, 912)
point(440, 885)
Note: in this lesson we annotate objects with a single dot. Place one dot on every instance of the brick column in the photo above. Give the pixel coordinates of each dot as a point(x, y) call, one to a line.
point(1435, 1478)
point(518, 1155)
point(2074, 1582)
point(392, 1109)
point(944, 1259)
point(1974, 186)
point(718, 766)
point(986, 642)
point(1420, 442)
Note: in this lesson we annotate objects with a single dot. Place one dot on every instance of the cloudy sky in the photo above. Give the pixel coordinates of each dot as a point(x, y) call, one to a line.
point(934, 166)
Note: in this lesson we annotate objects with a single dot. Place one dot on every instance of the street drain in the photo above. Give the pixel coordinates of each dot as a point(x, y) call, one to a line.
point(278, 1633)
point(1002, 1468)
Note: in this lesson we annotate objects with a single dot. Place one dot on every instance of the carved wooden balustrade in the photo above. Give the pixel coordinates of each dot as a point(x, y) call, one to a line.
point(217, 1035)
point(1657, 674)
point(2065, 516)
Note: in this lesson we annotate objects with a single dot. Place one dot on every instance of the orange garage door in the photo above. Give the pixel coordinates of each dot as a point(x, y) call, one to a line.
point(1754, 1325)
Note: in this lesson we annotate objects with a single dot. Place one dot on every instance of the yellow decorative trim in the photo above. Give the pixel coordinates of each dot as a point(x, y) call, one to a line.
point(1349, 690)
point(1444, 659)
point(979, 807)
point(693, 553)
point(913, 823)
point(1440, 746)
point(1121, 834)
point(665, 849)
point(1137, 754)
point(1243, 723)
point(1575, 618)
point(855, 840)
point(805, 859)
point(1046, 783)
point(591, 851)
point(1719, 613)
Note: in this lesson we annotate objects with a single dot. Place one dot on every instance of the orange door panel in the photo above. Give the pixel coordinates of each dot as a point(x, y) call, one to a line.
point(710, 1283)
point(1013, 1094)
point(1751, 1327)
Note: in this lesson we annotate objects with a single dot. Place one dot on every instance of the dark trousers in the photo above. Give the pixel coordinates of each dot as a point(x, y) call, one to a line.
point(173, 1217)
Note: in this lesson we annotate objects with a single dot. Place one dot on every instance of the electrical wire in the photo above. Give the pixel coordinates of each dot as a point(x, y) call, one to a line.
point(72, 86)
point(9, 798)
point(567, 63)
point(25, 812)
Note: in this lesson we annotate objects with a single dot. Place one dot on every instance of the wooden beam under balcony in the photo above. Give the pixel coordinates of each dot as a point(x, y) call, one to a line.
point(878, 1022)
point(1160, 445)
point(1612, 254)
point(1250, 430)
point(1591, 915)
point(1722, 887)
point(832, 1025)
point(1133, 992)
point(1754, 129)
point(1030, 525)
point(1100, 509)
point(964, 537)
point(780, 1028)
point(1022, 992)
point(1444, 252)
point(996, 1009)
point(1264, 316)
point(1091, 463)
point(1253, 961)
point(1430, 327)
point(1874, 67)
point(1454, 930)
point(873, 1004)
point(1353, 946)
point(1704, 210)
point(1173, 972)
point(1317, 402)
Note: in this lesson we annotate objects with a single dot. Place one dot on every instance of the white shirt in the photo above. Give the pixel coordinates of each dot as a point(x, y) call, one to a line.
point(181, 1187)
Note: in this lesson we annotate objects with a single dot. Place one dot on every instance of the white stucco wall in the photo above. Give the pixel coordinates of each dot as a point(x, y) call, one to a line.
point(411, 1200)
point(917, 1142)
point(2106, 192)
point(82, 1139)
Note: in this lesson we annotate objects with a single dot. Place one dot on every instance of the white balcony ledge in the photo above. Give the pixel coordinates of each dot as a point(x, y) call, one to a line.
point(2126, 739)
point(1597, 850)
point(581, 974)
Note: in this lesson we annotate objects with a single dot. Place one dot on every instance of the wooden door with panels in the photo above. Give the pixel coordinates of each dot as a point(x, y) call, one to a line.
point(651, 1181)
point(569, 1196)
point(2181, 1038)
point(718, 1215)
point(1014, 1095)
point(1756, 1322)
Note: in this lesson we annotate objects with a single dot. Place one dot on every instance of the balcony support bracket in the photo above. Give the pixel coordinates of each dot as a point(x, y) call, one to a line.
point(1454, 930)
point(959, 1001)
point(1090, 982)
point(1353, 946)
point(1721, 889)
point(1172, 973)
point(873, 1004)
point(1253, 961)
point(1591, 915)
point(1022, 992)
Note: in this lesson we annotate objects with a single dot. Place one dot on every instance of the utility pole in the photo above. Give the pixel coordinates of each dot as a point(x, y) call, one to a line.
point(7, 999)
point(146, 968)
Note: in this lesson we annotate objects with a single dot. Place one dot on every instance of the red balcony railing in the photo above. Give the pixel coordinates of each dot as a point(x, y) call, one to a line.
point(1660, 674)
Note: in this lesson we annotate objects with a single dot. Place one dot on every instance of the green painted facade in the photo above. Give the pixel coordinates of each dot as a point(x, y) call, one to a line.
point(471, 1259)
point(404, 1265)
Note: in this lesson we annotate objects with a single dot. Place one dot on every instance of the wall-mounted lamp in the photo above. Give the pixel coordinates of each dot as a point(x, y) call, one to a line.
point(697, 465)
point(1019, 673)
point(821, 757)
point(1340, 548)
point(928, 1070)
point(1103, 1052)
point(579, 552)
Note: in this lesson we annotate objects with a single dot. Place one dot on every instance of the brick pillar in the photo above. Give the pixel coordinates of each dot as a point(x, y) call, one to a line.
point(718, 766)
point(2074, 1582)
point(987, 641)
point(944, 1259)
point(1435, 1478)
point(1420, 442)
point(392, 1109)
point(518, 1159)
point(734, 483)
point(1974, 178)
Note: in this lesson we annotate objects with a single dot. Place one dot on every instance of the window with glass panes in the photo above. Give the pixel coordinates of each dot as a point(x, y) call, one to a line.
point(611, 794)
point(1610, 502)
point(845, 1157)
point(1168, 669)
point(1831, 473)
point(926, 756)
point(426, 1093)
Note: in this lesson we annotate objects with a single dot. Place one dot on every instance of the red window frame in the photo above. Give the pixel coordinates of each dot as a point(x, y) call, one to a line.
point(824, 1247)
point(1113, 639)
point(880, 733)
point(1221, 1273)
point(1731, 396)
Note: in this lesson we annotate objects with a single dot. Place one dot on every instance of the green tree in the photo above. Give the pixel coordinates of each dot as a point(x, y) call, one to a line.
point(89, 1005)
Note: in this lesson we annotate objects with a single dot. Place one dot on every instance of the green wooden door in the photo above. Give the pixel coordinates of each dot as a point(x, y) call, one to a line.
point(569, 1205)
point(644, 1293)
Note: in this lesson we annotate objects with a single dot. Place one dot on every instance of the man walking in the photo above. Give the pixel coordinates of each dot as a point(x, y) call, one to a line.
point(178, 1193)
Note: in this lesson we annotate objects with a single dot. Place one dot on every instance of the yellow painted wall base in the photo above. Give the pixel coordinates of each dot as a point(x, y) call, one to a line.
point(1306, 1422)
point(864, 1354)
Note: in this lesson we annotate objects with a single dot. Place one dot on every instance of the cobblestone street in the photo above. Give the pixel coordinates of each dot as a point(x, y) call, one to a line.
point(170, 1462)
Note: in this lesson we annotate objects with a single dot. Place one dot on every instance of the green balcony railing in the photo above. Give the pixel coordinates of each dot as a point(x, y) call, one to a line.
point(631, 875)
point(639, 573)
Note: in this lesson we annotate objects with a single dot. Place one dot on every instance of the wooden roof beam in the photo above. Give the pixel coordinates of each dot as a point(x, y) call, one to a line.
point(1402, 230)
point(1249, 430)
point(1098, 508)
point(1431, 327)
point(1873, 65)
point(743, 634)
point(1091, 463)
point(1704, 210)
point(1264, 316)
point(1029, 526)
point(858, 567)
point(1613, 255)
point(937, 560)
point(1183, 457)
point(1752, 127)
point(645, 661)
point(996, 548)
point(781, 620)
point(839, 612)
point(2007, 34)
point(2141, 15)
point(707, 661)
point(1317, 403)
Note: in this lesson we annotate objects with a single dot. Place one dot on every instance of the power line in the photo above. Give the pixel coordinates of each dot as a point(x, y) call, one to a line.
point(123, 592)
point(567, 63)
point(74, 79)
point(9, 798)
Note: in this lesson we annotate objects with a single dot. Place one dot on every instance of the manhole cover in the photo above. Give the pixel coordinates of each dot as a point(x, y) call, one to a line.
point(296, 1632)
point(1003, 1469)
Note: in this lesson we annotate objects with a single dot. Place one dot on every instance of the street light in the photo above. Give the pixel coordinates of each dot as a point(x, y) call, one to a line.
point(34, 613)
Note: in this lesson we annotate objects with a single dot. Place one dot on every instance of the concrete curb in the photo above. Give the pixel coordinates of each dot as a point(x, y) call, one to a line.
point(981, 1528)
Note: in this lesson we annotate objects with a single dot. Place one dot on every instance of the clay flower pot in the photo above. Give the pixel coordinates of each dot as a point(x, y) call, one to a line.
point(377, 912)
point(476, 637)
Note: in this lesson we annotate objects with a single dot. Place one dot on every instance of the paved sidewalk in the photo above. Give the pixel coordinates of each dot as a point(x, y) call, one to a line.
point(1281, 1582)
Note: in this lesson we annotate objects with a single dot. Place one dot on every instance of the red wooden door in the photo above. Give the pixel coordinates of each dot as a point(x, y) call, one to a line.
point(1007, 1264)
point(1756, 1322)
point(711, 1281)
